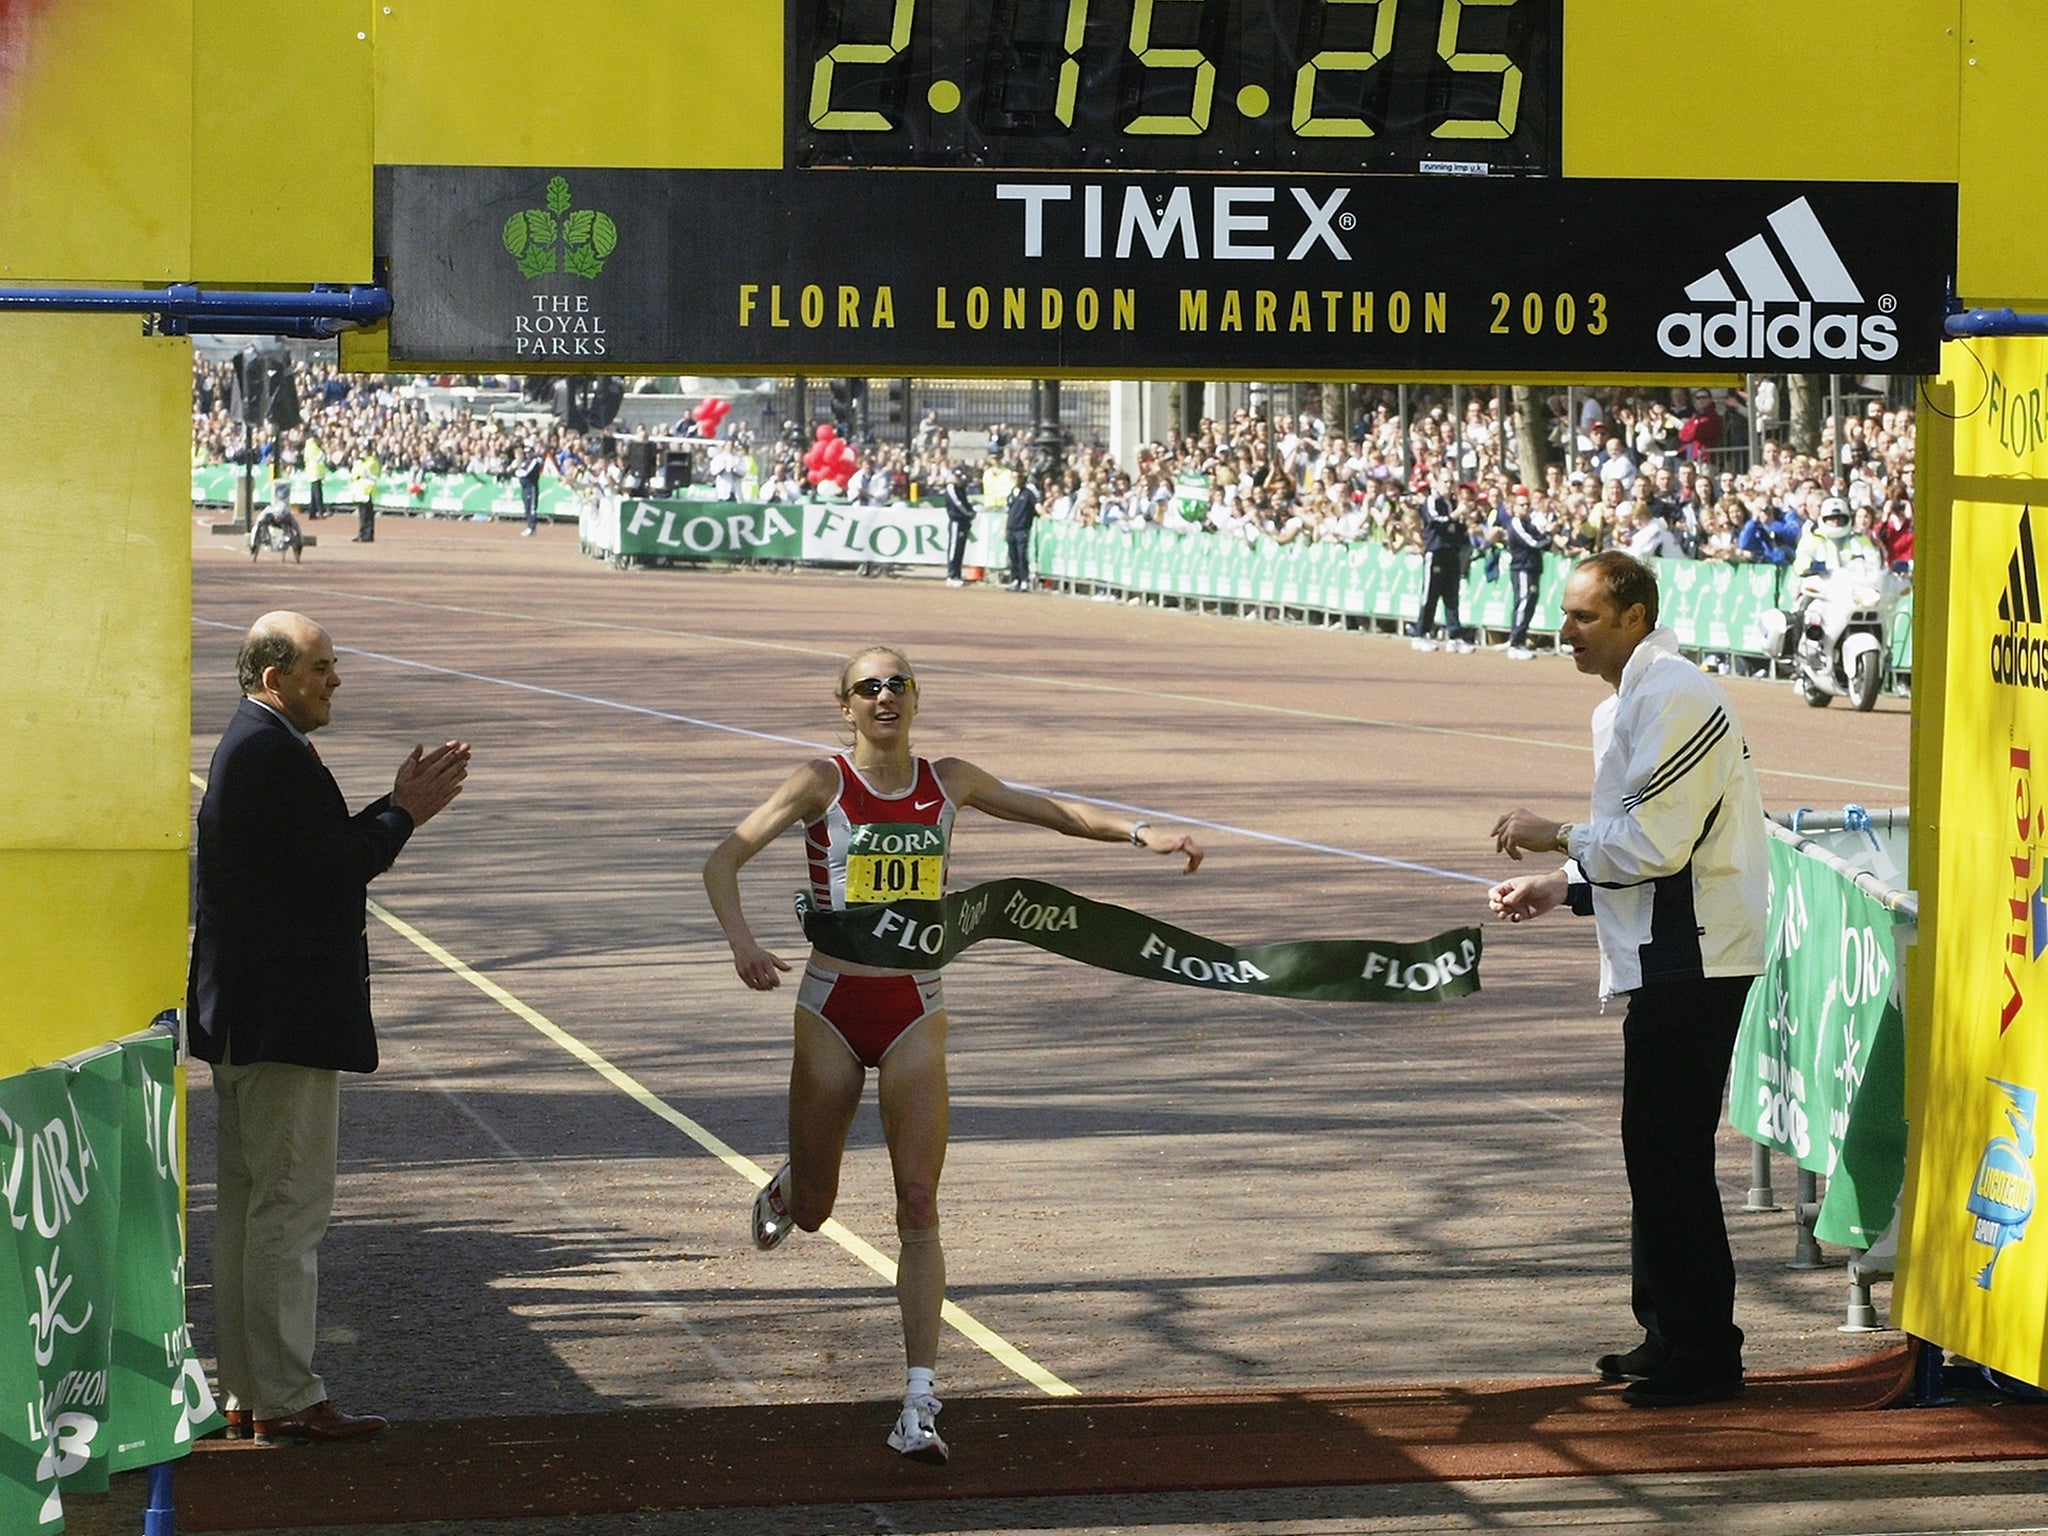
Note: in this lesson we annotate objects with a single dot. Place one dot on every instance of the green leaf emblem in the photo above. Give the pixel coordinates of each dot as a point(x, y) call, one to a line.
point(555, 238)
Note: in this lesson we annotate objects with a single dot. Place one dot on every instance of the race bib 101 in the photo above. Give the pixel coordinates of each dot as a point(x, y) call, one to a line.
point(895, 862)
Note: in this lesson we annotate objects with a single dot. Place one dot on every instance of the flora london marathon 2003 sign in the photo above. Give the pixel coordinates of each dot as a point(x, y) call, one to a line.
point(1124, 187)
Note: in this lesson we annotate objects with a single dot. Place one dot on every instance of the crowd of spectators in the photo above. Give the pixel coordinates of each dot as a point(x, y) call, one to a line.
point(1650, 471)
point(365, 424)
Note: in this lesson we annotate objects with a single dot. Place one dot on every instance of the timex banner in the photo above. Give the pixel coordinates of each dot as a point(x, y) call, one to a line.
point(1037, 273)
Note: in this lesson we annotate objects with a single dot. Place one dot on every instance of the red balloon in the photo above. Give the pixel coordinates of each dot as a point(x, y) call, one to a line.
point(824, 430)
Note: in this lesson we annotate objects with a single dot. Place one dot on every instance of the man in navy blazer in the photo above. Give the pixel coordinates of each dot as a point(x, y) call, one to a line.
point(279, 1001)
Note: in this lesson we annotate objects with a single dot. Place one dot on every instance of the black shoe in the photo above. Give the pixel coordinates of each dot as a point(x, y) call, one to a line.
point(1681, 1390)
point(1644, 1360)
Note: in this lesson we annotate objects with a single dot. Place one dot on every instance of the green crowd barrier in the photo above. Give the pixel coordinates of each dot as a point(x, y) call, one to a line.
point(435, 495)
point(214, 484)
point(102, 1378)
point(1820, 1062)
point(1714, 606)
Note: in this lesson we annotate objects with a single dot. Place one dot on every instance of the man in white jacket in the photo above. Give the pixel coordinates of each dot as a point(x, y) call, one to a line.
point(1674, 868)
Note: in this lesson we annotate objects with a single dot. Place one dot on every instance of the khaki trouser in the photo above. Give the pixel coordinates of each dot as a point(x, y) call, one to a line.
point(278, 1130)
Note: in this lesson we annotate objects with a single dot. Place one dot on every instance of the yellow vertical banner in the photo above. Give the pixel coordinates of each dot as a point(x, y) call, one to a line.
point(1973, 1269)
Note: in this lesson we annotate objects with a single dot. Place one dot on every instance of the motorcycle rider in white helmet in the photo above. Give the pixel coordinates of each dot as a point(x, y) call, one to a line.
point(1832, 542)
point(1829, 543)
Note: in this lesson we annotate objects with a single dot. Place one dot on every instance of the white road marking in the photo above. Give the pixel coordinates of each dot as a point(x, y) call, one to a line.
point(1076, 684)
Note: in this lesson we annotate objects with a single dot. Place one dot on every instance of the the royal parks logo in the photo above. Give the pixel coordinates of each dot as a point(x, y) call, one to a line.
point(2002, 1189)
point(559, 237)
point(557, 320)
point(1815, 310)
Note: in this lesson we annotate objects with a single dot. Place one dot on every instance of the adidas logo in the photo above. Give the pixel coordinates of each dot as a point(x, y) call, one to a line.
point(2019, 654)
point(2021, 602)
point(1775, 314)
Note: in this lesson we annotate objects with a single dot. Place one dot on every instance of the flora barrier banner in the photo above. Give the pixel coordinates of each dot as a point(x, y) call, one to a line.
point(97, 1375)
point(1820, 1061)
point(808, 533)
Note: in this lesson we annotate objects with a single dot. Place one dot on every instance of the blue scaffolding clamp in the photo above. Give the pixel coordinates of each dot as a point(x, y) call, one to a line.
point(318, 313)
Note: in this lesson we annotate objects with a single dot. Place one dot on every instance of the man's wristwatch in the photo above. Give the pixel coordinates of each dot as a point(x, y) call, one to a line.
point(1564, 837)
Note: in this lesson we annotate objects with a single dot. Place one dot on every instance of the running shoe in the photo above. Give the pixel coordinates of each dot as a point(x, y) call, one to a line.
point(1459, 647)
point(1420, 644)
point(772, 1221)
point(916, 1434)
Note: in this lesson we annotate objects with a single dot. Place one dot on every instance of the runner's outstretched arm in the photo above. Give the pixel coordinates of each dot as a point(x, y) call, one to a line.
point(976, 787)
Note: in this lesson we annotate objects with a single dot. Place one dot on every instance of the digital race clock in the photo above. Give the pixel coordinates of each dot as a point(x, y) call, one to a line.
point(1301, 86)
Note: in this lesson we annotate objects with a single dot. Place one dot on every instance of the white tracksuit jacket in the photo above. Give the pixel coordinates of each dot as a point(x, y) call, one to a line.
point(1675, 865)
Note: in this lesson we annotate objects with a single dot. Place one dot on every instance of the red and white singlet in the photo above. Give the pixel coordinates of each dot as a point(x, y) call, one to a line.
point(871, 847)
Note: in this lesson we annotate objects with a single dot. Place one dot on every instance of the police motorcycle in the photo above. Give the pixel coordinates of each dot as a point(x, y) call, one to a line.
point(1837, 634)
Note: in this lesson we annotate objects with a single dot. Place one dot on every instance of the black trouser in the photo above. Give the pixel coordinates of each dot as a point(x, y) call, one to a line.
point(366, 522)
point(1678, 1039)
point(316, 498)
point(529, 497)
point(1525, 585)
point(1020, 555)
point(956, 546)
point(1446, 576)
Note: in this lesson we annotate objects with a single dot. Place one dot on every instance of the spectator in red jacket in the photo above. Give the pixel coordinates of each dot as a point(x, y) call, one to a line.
point(1895, 534)
point(1700, 433)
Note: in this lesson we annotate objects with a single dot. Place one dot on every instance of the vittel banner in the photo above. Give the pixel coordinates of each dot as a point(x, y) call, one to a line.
point(1176, 274)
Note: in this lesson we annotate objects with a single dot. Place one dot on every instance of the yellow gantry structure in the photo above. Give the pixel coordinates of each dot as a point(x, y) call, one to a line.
point(233, 143)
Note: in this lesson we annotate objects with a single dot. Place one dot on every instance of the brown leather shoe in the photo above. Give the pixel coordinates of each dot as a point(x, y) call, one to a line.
point(322, 1421)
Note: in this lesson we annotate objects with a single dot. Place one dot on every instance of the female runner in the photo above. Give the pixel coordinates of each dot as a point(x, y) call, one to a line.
point(876, 824)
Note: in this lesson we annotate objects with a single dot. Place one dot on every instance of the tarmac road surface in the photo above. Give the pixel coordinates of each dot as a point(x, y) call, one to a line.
point(1149, 1189)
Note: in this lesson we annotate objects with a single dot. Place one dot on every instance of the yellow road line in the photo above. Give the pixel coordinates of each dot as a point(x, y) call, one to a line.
point(969, 1327)
point(974, 1331)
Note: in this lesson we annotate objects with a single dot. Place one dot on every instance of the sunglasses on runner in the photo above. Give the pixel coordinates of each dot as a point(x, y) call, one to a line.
point(871, 687)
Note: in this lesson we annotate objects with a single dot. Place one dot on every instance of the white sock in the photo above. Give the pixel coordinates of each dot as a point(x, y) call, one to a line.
point(921, 1379)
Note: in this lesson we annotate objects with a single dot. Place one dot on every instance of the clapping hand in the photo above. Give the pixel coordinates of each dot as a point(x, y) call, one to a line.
point(427, 781)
